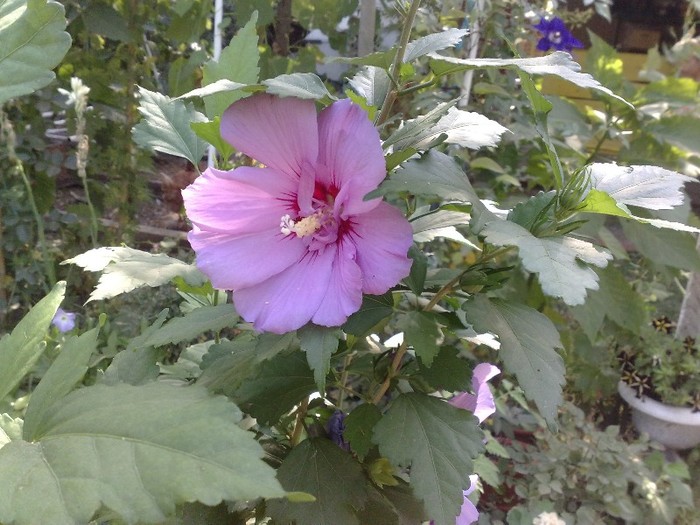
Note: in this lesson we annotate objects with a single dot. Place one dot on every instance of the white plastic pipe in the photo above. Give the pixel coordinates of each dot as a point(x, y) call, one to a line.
point(218, 18)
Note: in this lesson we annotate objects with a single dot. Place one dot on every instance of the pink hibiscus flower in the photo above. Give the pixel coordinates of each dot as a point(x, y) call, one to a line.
point(295, 240)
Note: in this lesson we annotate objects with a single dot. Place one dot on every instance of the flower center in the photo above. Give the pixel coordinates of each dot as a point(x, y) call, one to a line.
point(555, 37)
point(302, 227)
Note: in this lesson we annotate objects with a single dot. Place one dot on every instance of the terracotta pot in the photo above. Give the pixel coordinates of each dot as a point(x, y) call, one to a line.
point(674, 427)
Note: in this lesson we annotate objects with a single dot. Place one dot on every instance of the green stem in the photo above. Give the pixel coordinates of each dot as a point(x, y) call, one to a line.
point(48, 263)
point(395, 69)
point(299, 424)
point(391, 373)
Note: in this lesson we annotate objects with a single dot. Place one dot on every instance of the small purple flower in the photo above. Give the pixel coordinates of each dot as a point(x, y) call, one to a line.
point(336, 428)
point(481, 403)
point(555, 35)
point(64, 321)
point(295, 240)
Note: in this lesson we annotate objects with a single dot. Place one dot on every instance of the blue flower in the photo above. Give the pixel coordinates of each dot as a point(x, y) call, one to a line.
point(64, 321)
point(556, 35)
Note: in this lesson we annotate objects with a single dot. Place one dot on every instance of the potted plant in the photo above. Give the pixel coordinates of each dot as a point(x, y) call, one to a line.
point(660, 380)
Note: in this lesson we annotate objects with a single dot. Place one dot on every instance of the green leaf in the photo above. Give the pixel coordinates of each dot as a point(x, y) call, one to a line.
point(374, 309)
point(194, 323)
point(558, 64)
point(222, 85)
point(434, 174)
point(438, 442)
point(135, 367)
point(597, 201)
point(23, 347)
point(335, 479)
point(226, 365)
point(125, 269)
point(281, 383)
point(64, 374)
point(358, 428)
point(414, 131)
point(165, 127)
point(615, 299)
point(210, 132)
point(319, 343)
point(668, 248)
point(528, 349)
point(238, 62)
point(433, 42)
point(419, 268)
point(448, 371)
point(138, 451)
point(372, 83)
point(299, 85)
point(533, 211)
point(106, 21)
point(422, 332)
point(33, 43)
point(486, 163)
point(678, 130)
point(557, 261)
point(382, 59)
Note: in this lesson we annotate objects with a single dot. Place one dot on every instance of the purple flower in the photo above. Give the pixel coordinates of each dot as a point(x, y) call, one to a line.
point(294, 239)
point(468, 514)
point(64, 321)
point(336, 428)
point(556, 35)
point(481, 403)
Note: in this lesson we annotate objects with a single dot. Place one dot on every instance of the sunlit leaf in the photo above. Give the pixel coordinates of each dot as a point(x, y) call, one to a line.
point(558, 63)
point(165, 126)
point(299, 85)
point(372, 83)
point(125, 269)
point(238, 63)
point(33, 43)
point(138, 451)
point(559, 262)
point(434, 42)
point(20, 349)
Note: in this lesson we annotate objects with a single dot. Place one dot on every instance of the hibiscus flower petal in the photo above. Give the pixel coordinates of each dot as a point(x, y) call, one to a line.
point(351, 151)
point(290, 299)
point(382, 238)
point(344, 294)
point(232, 262)
point(279, 132)
point(245, 200)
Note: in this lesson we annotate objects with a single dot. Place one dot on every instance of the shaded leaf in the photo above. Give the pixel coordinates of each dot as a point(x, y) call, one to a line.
point(422, 332)
point(528, 349)
point(194, 323)
point(125, 269)
point(281, 383)
point(419, 269)
point(374, 309)
point(359, 425)
point(321, 468)
point(210, 132)
point(33, 43)
point(441, 223)
point(669, 248)
point(165, 127)
point(64, 374)
point(128, 449)
point(20, 349)
point(448, 371)
point(319, 343)
point(433, 174)
point(438, 442)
